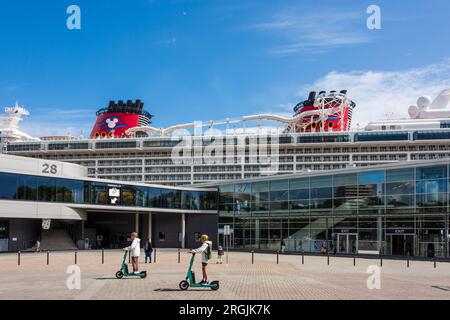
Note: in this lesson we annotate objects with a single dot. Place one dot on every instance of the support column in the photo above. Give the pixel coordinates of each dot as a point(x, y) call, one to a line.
point(183, 230)
point(379, 233)
point(149, 231)
point(446, 239)
point(82, 229)
point(257, 234)
point(136, 223)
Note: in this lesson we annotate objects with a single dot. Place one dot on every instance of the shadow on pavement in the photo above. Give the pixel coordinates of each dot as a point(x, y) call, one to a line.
point(114, 278)
point(171, 289)
point(444, 288)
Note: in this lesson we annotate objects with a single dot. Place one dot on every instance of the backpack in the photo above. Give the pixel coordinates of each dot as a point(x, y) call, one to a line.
point(208, 252)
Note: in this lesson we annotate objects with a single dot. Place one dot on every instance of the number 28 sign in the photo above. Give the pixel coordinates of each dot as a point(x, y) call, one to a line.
point(49, 168)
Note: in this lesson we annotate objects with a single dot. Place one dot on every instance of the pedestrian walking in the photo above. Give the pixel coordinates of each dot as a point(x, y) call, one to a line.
point(148, 250)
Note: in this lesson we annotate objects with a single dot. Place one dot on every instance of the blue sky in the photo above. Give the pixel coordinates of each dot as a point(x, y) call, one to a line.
point(204, 59)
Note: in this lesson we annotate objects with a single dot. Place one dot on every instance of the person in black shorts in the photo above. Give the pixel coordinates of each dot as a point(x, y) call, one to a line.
point(205, 250)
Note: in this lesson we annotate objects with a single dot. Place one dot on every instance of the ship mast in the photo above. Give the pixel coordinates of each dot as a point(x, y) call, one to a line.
point(13, 117)
point(9, 129)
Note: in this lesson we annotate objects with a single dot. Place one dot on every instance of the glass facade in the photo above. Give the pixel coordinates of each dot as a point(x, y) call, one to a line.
point(48, 189)
point(395, 211)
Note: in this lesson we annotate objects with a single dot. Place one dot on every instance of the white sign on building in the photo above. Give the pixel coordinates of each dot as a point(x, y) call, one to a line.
point(46, 224)
point(114, 192)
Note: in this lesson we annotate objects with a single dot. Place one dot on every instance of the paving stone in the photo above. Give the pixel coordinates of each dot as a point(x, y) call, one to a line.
point(239, 280)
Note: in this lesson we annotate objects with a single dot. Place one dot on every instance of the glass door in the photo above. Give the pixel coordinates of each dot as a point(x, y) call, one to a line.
point(402, 244)
point(353, 243)
point(347, 243)
point(4, 235)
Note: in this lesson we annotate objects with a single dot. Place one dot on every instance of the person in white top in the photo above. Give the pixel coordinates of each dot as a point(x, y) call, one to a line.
point(205, 250)
point(135, 251)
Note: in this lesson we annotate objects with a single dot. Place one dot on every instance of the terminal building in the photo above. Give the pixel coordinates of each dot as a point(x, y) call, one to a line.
point(396, 209)
point(58, 204)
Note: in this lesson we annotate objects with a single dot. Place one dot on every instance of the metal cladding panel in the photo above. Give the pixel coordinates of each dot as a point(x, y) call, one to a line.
point(166, 230)
point(198, 224)
point(36, 210)
point(114, 125)
point(22, 165)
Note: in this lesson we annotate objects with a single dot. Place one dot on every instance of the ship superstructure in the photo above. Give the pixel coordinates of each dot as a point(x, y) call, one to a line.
point(9, 124)
point(317, 137)
point(426, 113)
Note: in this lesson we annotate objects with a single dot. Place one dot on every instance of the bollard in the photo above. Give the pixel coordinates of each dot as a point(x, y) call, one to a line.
point(407, 261)
point(76, 253)
point(278, 252)
point(154, 255)
point(328, 259)
point(103, 255)
point(178, 255)
point(18, 258)
point(48, 257)
point(434, 262)
point(303, 257)
point(253, 257)
point(381, 260)
point(354, 260)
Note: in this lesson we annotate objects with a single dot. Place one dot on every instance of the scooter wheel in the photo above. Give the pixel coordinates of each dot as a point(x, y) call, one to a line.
point(214, 285)
point(144, 274)
point(119, 274)
point(184, 285)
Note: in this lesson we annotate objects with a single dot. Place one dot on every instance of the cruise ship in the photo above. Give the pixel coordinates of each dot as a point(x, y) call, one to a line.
point(306, 183)
point(125, 145)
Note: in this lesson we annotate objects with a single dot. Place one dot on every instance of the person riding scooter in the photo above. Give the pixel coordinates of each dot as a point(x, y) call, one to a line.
point(135, 251)
point(205, 250)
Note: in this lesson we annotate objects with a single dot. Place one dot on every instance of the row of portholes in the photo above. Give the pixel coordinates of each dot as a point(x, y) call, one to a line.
point(314, 125)
point(103, 135)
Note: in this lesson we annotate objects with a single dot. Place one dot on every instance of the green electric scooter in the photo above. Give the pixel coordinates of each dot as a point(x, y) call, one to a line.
point(124, 270)
point(190, 279)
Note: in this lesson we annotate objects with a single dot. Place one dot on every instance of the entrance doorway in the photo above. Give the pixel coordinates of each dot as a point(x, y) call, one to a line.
point(402, 244)
point(225, 239)
point(4, 235)
point(347, 243)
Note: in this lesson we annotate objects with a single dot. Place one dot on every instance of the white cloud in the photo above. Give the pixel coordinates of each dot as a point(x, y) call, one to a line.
point(63, 112)
point(58, 121)
point(171, 42)
point(378, 94)
point(304, 32)
point(42, 130)
point(9, 88)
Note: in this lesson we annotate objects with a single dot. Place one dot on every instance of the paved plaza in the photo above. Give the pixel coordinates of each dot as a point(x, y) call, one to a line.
point(240, 279)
